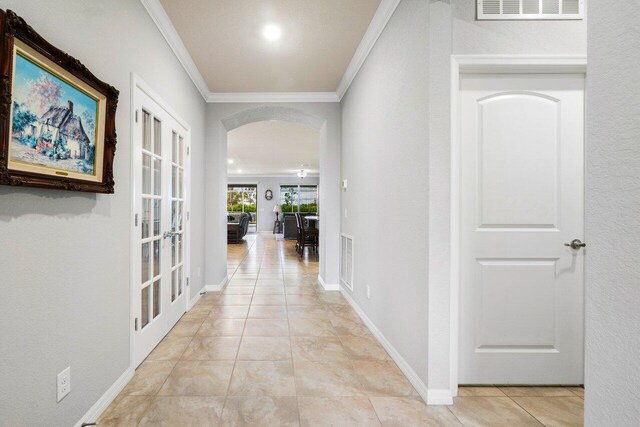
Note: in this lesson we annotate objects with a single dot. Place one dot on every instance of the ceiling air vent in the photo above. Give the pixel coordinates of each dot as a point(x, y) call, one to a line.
point(346, 261)
point(530, 9)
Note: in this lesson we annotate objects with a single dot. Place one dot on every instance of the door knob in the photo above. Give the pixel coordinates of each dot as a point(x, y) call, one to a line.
point(576, 244)
point(169, 234)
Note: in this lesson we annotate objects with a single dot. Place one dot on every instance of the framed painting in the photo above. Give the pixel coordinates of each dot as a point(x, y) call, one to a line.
point(57, 120)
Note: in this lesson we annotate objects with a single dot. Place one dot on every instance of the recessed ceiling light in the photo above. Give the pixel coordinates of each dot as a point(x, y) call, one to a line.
point(272, 32)
point(230, 161)
point(239, 170)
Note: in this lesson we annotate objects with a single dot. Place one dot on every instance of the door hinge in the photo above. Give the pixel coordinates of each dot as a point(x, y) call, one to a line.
point(137, 116)
point(187, 281)
point(135, 219)
point(188, 149)
point(187, 216)
point(135, 324)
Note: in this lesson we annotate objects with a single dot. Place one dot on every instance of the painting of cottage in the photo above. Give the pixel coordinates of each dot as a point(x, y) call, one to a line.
point(53, 122)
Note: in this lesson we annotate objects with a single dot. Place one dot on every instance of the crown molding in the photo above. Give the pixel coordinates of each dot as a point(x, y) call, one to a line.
point(378, 23)
point(273, 97)
point(164, 24)
point(270, 175)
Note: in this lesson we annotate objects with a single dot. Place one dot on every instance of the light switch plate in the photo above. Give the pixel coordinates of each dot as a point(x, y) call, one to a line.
point(64, 383)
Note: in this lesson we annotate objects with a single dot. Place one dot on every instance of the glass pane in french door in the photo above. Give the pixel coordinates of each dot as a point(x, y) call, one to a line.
point(151, 237)
point(177, 210)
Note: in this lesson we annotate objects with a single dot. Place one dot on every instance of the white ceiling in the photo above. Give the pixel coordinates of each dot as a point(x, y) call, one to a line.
point(224, 39)
point(273, 148)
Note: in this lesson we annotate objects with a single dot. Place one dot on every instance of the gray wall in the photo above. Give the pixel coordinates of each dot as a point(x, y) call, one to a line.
point(454, 30)
point(65, 256)
point(384, 158)
point(224, 117)
point(266, 216)
point(396, 134)
point(613, 216)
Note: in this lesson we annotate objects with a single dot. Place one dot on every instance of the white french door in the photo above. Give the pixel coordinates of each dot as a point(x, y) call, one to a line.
point(522, 200)
point(159, 263)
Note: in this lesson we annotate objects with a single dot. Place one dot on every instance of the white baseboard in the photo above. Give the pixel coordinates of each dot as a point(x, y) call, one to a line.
point(328, 287)
point(411, 375)
point(439, 397)
point(105, 400)
point(219, 287)
point(194, 300)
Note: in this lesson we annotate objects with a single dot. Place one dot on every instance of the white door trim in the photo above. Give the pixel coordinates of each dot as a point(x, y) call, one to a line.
point(138, 83)
point(494, 64)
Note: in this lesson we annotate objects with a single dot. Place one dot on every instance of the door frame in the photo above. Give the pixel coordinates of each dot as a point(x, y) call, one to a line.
point(484, 64)
point(137, 83)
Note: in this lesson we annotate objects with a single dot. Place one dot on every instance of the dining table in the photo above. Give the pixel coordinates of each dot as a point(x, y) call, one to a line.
point(313, 221)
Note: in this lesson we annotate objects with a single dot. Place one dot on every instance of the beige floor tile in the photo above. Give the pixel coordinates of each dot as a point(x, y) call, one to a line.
point(265, 348)
point(229, 312)
point(266, 378)
point(236, 300)
point(269, 282)
point(536, 391)
point(185, 328)
point(233, 283)
point(300, 290)
point(221, 328)
point(269, 290)
point(326, 379)
point(126, 412)
point(491, 411)
point(318, 349)
point(363, 348)
point(411, 411)
point(212, 348)
point(382, 378)
point(480, 392)
point(197, 313)
point(149, 377)
point(297, 299)
point(336, 411)
point(238, 290)
point(344, 311)
point(268, 300)
point(554, 411)
point(311, 327)
point(170, 348)
point(278, 312)
point(184, 411)
point(198, 378)
point(261, 411)
point(266, 328)
point(345, 327)
point(269, 276)
point(332, 298)
point(578, 391)
point(307, 312)
point(249, 276)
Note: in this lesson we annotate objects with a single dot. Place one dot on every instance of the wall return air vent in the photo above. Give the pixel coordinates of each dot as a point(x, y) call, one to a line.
point(529, 9)
point(346, 261)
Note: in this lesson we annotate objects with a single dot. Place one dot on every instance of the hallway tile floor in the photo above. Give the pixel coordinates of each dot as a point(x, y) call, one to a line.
point(273, 349)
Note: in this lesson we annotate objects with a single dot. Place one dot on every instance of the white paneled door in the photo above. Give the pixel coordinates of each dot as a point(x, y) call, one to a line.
point(159, 261)
point(522, 200)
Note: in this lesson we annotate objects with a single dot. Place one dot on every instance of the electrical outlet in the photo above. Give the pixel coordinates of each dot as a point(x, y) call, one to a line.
point(64, 383)
point(368, 292)
point(346, 213)
point(199, 272)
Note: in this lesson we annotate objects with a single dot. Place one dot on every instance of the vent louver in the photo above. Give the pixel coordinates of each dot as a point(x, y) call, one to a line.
point(529, 9)
point(346, 261)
